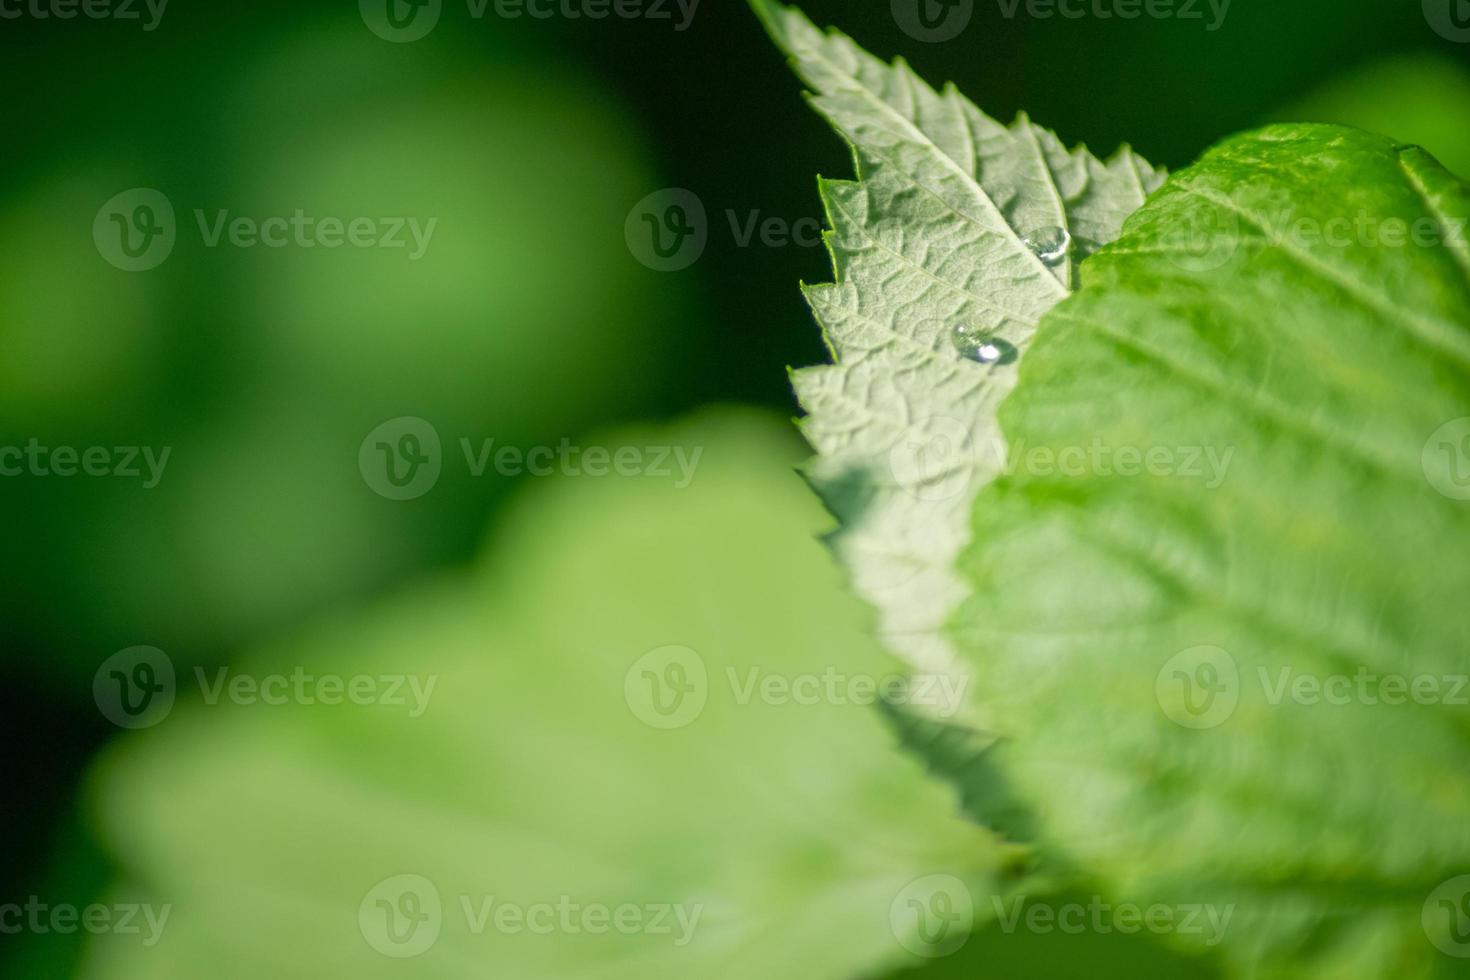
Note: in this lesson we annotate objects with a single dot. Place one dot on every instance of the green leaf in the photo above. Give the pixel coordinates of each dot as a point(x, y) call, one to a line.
point(794, 829)
point(933, 235)
point(1235, 523)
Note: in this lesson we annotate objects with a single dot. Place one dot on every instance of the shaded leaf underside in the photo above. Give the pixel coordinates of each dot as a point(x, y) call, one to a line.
point(933, 234)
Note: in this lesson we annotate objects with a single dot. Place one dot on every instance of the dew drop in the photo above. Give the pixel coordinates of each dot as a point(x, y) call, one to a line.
point(981, 345)
point(1050, 243)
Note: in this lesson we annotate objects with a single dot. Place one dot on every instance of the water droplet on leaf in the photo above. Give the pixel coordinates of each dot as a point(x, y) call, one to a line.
point(1050, 243)
point(981, 345)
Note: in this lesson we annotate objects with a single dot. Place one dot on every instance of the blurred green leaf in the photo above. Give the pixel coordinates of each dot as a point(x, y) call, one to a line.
point(796, 830)
point(79, 343)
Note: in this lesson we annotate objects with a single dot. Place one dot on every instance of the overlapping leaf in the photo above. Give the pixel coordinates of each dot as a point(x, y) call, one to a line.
point(1224, 592)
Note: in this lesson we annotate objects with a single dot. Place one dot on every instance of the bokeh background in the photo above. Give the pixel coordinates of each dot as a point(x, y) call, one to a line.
point(529, 320)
